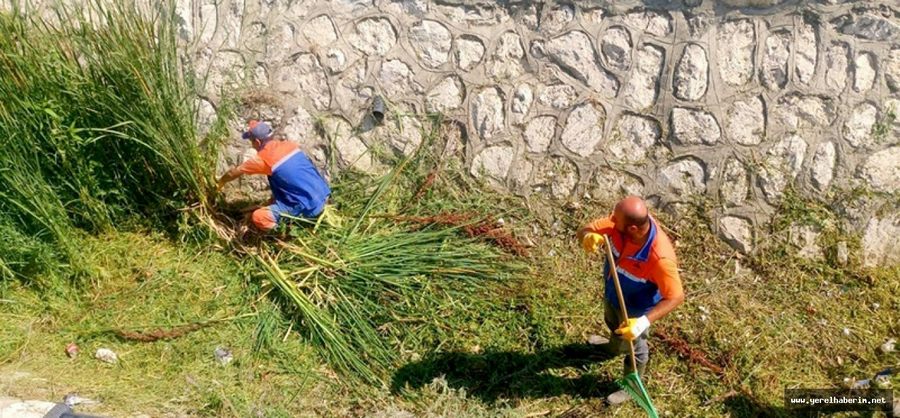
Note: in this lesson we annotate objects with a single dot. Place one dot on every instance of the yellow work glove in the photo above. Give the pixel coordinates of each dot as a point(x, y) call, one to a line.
point(633, 328)
point(592, 241)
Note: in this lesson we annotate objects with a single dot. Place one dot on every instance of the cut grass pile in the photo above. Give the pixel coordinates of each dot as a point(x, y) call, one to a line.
point(358, 285)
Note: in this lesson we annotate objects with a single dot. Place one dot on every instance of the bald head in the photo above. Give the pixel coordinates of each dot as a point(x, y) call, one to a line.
point(632, 211)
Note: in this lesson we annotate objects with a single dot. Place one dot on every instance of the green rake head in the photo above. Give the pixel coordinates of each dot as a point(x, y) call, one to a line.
point(631, 383)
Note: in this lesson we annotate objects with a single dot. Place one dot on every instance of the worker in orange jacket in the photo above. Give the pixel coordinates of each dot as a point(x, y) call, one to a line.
point(648, 274)
point(298, 189)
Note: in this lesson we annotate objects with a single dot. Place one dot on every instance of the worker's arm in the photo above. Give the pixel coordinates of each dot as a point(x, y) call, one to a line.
point(669, 283)
point(252, 166)
point(602, 226)
point(664, 307)
point(229, 176)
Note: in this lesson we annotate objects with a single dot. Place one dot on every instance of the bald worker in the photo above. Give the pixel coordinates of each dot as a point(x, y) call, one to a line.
point(648, 275)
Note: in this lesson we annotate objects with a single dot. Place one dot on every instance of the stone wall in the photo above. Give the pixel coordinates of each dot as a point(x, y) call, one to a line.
point(731, 100)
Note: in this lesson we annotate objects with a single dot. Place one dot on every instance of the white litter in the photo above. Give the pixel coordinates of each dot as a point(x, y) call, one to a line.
point(73, 399)
point(223, 355)
point(106, 355)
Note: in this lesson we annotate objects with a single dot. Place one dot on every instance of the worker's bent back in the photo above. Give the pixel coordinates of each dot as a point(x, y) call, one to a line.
point(294, 180)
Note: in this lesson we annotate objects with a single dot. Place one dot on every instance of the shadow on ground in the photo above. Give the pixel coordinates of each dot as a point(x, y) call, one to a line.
point(510, 375)
point(742, 406)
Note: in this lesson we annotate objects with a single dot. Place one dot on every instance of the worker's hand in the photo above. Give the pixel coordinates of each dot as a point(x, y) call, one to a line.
point(228, 177)
point(592, 241)
point(633, 328)
point(225, 179)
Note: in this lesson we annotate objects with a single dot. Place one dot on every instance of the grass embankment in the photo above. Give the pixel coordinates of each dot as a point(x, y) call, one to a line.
point(145, 282)
point(767, 327)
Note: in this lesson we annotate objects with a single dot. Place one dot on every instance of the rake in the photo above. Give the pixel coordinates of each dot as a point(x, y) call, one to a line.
point(631, 383)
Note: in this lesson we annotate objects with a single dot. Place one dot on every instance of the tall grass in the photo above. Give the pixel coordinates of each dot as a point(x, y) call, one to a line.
point(96, 123)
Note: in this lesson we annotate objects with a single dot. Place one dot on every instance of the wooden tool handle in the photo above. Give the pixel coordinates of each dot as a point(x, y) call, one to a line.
point(615, 275)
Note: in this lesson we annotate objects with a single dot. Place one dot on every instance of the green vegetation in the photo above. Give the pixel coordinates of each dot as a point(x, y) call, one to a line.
point(96, 126)
point(417, 302)
point(768, 321)
point(143, 282)
point(352, 283)
point(883, 127)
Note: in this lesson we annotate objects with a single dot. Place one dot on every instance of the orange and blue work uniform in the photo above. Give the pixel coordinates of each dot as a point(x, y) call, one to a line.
point(648, 273)
point(297, 187)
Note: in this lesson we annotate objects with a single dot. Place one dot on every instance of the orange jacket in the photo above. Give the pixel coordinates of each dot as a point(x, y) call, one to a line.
point(647, 273)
